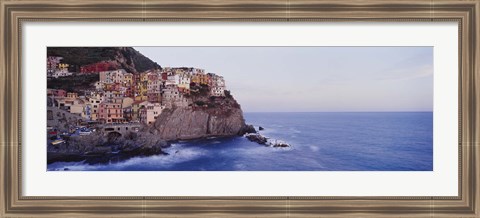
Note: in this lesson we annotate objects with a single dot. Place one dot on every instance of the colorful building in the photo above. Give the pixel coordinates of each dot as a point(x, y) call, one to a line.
point(52, 64)
point(136, 107)
point(98, 67)
point(184, 81)
point(149, 112)
point(113, 76)
point(93, 103)
point(57, 92)
point(171, 97)
point(128, 79)
point(217, 85)
point(111, 112)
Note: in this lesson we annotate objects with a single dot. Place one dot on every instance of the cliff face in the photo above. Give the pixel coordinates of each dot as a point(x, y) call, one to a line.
point(193, 123)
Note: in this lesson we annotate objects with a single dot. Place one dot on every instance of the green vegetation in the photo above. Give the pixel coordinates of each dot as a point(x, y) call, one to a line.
point(74, 83)
point(199, 103)
point(83, 55)
point(141, 62)
point(210, 105)
point(199, 90)
point(228, 94)
point(132, 59)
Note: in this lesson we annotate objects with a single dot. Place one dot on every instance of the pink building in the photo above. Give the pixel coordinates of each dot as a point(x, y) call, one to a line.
point(111, 112)
point(57, 92)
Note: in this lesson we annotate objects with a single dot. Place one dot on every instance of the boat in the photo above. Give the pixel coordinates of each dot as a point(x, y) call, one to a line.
point(85, 132)
point(58, 141)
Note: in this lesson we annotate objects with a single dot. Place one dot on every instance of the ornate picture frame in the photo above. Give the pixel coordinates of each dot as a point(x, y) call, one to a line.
point(15, 13)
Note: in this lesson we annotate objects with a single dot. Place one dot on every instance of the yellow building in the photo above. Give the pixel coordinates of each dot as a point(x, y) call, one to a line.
point(63, 66)
point(195, 79)
point(204, 79)
point(93, 103)
point(143, 77)
point(128, 78)
point(141, 91)
point(72, 95)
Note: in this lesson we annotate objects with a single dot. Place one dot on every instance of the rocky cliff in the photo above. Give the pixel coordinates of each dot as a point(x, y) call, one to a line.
point(223, 117)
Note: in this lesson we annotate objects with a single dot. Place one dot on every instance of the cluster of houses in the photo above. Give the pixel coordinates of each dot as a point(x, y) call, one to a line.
point(55, 67)
point(121, 97)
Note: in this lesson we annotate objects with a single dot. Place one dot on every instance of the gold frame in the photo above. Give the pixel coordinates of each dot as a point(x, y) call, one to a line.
point(14, 12)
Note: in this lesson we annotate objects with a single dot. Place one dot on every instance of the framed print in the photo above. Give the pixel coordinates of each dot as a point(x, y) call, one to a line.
point(233, 108)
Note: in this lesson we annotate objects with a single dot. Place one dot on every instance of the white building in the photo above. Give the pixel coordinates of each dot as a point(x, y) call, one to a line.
point(184, 81)
point(170, 92)
point(61, 73)
point(172, 79)
point(218, 85)
point(78, 107)
point(109, 94)
point(218, 91)
point(150, 112)
point(113, 76)
point(171, 96)
point(52, 64)
point(99, 85)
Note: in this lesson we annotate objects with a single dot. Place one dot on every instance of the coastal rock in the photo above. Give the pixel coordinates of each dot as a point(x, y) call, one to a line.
point(248, 129)
point(278, 144)
point(98, 148)
point(260, 128)
point(257, 138)
point(193, 123)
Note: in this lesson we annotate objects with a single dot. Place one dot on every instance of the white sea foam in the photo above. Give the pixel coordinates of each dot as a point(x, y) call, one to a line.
point(177, 154)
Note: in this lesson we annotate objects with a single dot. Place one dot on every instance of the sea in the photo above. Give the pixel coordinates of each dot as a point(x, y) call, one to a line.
point(323, 141)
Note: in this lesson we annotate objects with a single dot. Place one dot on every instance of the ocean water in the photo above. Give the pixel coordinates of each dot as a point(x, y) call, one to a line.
point(376, 141)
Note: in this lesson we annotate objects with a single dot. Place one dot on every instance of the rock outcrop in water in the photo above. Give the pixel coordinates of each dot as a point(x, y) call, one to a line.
point(262, 140)
point(257, 138)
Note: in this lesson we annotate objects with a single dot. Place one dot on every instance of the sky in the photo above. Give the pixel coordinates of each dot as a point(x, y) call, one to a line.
point(314, 79)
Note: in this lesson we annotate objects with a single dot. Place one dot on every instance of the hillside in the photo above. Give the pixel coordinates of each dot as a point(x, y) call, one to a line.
point(124, 57)
point(78, 84)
